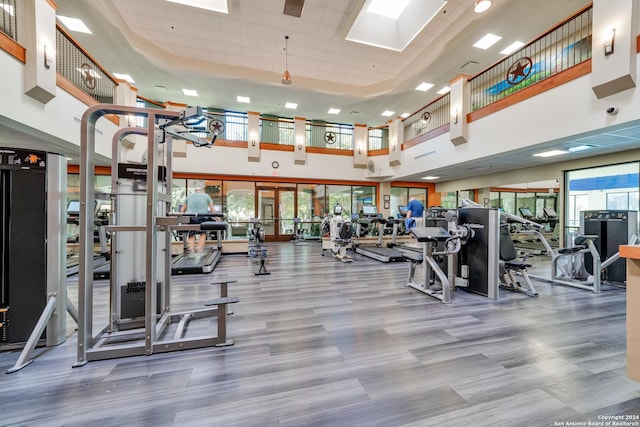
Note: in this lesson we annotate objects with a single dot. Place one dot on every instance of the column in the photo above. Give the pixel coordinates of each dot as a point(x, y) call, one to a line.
point(613, 63)
point(360, 146)
point(300, 146)
point(40, 44)
point(253, 132)
point(459, 106)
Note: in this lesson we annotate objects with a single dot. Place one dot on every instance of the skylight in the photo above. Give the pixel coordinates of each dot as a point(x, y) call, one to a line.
point(333, 111)
point(243, 99)
point(430, 177)
point(423, 87)
point(190, 92)
point(74, 24)
point(390, 9)
point(444, 90)
point(487, 41)
point(404, 115)
point(291, 105)
point(387, 113)
point(550, 153)
point(392, 24)
point(220, 6)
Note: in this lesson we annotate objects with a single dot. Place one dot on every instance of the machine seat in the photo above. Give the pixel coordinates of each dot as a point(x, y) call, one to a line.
point(213, 226)
point(430, 234)
point(517, 265)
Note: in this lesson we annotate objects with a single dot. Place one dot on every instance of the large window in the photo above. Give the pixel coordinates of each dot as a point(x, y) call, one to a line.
point(400, 197)
point(339, 194)
point(239, 201)
point(613, 187)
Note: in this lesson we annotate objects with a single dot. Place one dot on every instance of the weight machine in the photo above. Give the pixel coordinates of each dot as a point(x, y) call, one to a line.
point(340, 234)
point(141, 236)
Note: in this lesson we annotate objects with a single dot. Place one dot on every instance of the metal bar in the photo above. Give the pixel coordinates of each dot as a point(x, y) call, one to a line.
point(24, 358)
point(182, 325)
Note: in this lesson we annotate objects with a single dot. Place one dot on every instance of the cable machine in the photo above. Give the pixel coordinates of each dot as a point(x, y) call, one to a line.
point(149, 236)
point(32, 238)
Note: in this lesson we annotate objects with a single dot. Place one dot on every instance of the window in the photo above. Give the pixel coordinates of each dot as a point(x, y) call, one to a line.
point(236, 126)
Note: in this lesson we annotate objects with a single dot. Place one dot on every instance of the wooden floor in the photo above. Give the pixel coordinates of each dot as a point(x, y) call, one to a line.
point(323, 343)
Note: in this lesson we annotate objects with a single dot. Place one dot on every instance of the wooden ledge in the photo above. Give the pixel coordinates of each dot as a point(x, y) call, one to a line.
point(630, 251)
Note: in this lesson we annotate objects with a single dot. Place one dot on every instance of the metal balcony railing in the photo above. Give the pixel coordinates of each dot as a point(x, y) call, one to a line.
point(566, 45)
point(428, 118)
point(74, 64)
point(8, 22)
point(329, 135)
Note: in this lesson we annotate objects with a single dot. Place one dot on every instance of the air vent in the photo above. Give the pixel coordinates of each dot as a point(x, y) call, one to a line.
point(293, 7)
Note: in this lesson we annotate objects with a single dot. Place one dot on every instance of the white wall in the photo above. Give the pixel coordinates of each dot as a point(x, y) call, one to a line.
point(57, 121)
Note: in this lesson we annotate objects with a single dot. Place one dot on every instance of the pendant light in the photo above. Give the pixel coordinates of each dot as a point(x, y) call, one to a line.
point(286, 77)
point(481, 6)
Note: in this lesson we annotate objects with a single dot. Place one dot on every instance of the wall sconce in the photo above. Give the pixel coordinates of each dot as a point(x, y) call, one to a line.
point(299, 144)
point(49, 57)
point(253, 140)
point(359, 148)
point(609, 42)
point(455, 116)
point(393, 145)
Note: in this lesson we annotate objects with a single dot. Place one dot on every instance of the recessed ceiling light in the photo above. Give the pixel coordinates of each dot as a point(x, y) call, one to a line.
point(581, 148)
point(291, 105)
point(74, 24)
point(551, 153)
point(388, 113)
point(126, 77)
point(190, 92)
point(512, 48)
point(8, 8)
point(444, 90)
point(430, 177)
point(333, 111)
point(487, 41)
point(390, 9)
point(423, 87)
point(243, 99)
point(404, 115)
point(214, 5)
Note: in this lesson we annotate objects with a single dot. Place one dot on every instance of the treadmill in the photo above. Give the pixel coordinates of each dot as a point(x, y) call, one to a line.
point(204, 262)
point(376, 250)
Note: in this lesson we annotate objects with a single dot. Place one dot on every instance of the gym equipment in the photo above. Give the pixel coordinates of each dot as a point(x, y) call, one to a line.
point(101, 257)
point(436, 283)
point(509, 265)
point(194, 263)
point(140, 241)
point(614, 228)
point(33, 296)
point(298, 232)
point(377, 250)
point(479, 258)
point(257, 249)
point(340, 234)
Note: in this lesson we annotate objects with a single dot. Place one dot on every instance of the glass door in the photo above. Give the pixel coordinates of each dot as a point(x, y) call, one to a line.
point(276, 210)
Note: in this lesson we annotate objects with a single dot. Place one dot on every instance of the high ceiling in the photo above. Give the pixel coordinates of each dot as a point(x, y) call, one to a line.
point(167, 47)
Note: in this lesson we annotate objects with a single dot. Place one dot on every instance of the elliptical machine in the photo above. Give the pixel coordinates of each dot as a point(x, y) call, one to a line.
point(340, 233)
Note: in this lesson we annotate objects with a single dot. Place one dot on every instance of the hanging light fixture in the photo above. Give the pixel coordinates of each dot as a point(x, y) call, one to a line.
point(481, 6)
point(286, 77)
